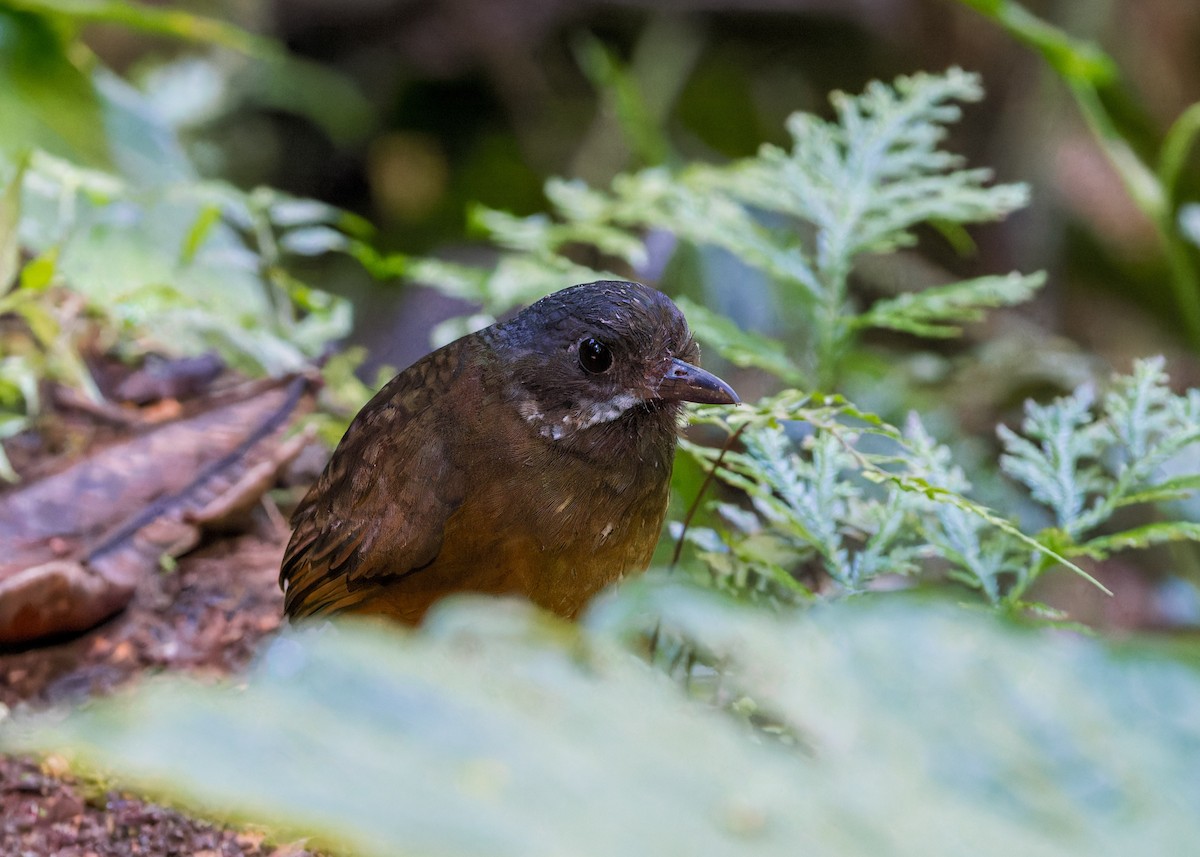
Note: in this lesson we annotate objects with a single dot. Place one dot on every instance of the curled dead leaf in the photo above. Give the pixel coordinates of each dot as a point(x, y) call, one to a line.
point(78, 542)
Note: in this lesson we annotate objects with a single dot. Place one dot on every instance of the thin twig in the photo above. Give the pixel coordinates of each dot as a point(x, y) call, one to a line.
point(687, 520)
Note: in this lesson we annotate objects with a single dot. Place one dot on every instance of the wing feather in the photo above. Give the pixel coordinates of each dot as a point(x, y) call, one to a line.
point(372, 517)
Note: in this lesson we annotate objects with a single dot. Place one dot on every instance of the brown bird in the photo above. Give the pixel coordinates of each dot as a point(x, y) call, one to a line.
point(532, 457)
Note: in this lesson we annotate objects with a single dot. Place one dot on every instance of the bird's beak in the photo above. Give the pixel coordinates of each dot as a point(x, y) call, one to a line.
point(683, 382)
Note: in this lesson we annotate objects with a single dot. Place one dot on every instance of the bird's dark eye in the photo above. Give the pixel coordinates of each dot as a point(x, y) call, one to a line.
point(594, 356)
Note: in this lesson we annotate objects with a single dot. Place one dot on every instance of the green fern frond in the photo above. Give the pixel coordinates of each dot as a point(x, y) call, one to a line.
point(1086, 459)
point(803, 216)
point(940, 311)
point(867, 179)
point(864, 501)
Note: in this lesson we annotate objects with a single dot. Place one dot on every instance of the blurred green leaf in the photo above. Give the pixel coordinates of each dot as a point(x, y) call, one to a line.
point(18, 386)
point(208, 217)
point(314, 241)
point(19, 399)
point(903, 729)
point(188, 267)
point(1070, 746)
point(329, 99)
point(40, 319)
point(149, 18)
point(1092, 77)
point(1178, 144)
point(46, 102)
point(1072, 58)
point(10, 216)
point(39, 273)
point(619, 86)
point(146, 152)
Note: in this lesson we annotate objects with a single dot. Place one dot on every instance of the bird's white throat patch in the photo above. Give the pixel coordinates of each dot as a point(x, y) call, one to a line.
point(585, 415)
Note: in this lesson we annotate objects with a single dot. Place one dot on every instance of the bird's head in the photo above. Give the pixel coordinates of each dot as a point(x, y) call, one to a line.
point(603, 358)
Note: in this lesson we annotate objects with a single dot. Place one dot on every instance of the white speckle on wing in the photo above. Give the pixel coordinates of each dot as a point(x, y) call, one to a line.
point(607, 531)
point(563, 505)
point(531, 411)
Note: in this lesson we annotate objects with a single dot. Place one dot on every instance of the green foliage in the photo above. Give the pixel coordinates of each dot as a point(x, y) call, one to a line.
point(1087, 460)
point(187, 266)
point(125, 13)
point(103, 221)
point(1072, 58)
point(499, 732)
point(177, 268)
point(618, 87)
point(42, 349)
point(856, 499)
point(834, 487)
point(862, 184)
point(802, 217)
point(52, 94)
point(836, 493)
point(883, 727)
point(939, 312)
point(46, 101)
point(1154, 185)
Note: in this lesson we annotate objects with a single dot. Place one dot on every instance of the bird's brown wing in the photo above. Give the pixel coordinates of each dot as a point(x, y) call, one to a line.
point(378, 512)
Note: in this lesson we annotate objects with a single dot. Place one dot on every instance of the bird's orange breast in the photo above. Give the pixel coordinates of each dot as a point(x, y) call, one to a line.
point(557, 543)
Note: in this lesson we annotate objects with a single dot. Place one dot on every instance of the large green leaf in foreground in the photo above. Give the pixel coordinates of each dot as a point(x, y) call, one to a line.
point(923, 730)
